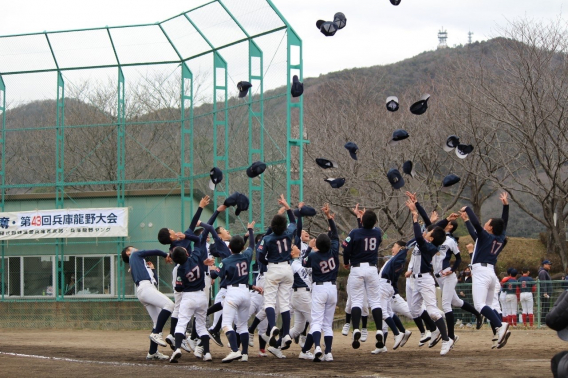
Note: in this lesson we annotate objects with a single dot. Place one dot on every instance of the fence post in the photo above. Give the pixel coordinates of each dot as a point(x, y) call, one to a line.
point(538, 303)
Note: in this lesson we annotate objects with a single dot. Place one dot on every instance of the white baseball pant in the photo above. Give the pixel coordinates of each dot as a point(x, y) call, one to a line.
point(302, 305)
point(364, 310)
point(386, 292)
point(511, 302)
point(278, 281)
point(415, 302)
point(324, 299)
point(153, 299)
point(527, 303)
point(426, 287)
point(220, 297)
point(496, 304)
point(483, 285)
point(400, 307)
point(449, 296)
point(177, 303)
point(364, 279)
point(503, 303)
point(236, 309)
point(193, 303)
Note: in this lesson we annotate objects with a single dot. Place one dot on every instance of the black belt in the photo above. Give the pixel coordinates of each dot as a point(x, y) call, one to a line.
point(483, 264)
point(388, 281)
point(206, 273)
point(359, 264)
point(238, 285)
point(321, 283)
point(301, 288)
point(419, 275)
point(280, 262)
point(438, 275)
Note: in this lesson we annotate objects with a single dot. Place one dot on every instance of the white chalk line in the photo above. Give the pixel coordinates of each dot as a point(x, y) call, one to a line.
point(113, 363)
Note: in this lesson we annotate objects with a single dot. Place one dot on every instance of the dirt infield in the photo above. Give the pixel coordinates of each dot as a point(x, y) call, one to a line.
point(122, 353)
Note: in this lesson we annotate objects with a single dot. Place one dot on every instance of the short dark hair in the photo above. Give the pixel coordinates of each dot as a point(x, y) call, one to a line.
point(179, 255)
point(497, 225)
point(526, 270)
point(323, 243)
point(430, 227)
point(278, 224)
point(400, 243)
point(258, 238)
point(236, 244)
point(125, 257)
point(438, 236)
point(454, 224)
point(369, 219)
point(198, 231)
point(164, 236)
point(217, 229)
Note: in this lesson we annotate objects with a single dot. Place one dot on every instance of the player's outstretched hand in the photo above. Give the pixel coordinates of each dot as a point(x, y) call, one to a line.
point(204, 202)
point(434, 216)
point(326, 210)
point(312, 244)
point(453, 216)
point(464, 216)
point(209, 262)
point(169, 259)
point(258, 288)
point(463, 209)
point(411, 206)
point(504, 197)
point(407, 274)
point(250, 225)
point(282, 201)
point(300, 205)
point(221, 208)
point(411, 196)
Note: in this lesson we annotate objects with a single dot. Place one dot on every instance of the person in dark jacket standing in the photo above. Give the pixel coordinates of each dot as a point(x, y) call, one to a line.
point(545, 289)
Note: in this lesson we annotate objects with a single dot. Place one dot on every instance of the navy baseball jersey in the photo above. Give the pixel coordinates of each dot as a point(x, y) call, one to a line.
point(191, 274)
point(235, 268)
point(394, 267)
point(138, 268)
point(487, 246)
point(527, 284)
point(442, 260)
point(362, 246)
point(277, 248)
point(325, 265)
point(301, 274)
point(510, 286)
point(423, 252)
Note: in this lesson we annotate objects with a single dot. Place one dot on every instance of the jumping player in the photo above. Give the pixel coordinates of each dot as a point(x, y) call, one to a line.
point(157, 304)
point(490, 240)
point(324, 261)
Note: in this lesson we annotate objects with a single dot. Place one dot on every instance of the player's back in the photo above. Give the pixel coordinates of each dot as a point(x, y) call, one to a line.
point(236, 268)
point(511, 285)
point(278, 247)
point(362, 245)
point(324, 265)
point(526, 284)
point(191, 274)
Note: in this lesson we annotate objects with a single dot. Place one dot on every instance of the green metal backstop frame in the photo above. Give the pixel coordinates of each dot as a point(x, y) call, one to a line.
point(288, 169)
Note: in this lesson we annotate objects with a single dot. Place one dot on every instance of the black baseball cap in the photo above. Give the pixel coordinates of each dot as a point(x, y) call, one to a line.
point(462, 150)
point(297, 87)
point(305, 211)
point(256, 169)
point(450, 180)
point(392, 103)
point(339, 20)
point(335, 183)
point(395, 178)
point(325, 164)
point(408, 168)
point(397, 136)
point(243, 87)
point(352, 148)
point(232, 199)
point(395, 2)
point(242, 204)
point(451, 143)
point(420, 106)
point(215, 177)
point(327, 28)
point(547, 262)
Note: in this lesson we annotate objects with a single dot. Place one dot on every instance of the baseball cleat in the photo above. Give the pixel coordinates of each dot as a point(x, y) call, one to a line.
point(306, 356)
point(171, 342)
point(185, 346)
point(157, 338)
point(504, 342)
point(277, 352)
point(436, 336)
point(232, 356)
point(502, 332)
point(495, 343)
point(198, 352)
point(397, 340)
point(251, 339)
point(207, 357)
point(456, 338)
point(244, 358)
point(379, 350)
point(157, 356)
point(479, 322)
point(328, 357)
point(297, 339)
point(262, 353)
point(425, 337)
point(345, 330)
point(317, 354)
point(175, 356)
point(286, 342)
point(215, 337)
point(380, 343)
point(302, 340)
point(446, 346)
point(272, 340)
point(193, 343)
point(356, 336)
point(405, 337)
point(364, 334)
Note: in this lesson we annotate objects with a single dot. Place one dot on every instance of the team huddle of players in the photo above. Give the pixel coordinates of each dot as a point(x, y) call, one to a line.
point(297, 275)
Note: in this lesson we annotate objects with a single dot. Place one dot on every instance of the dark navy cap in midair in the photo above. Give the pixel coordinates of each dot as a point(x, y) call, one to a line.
point(451, 143)
point(339, 20)
point(392, 103)
point(243, 87)
point(326, 164)
point(256, 169)
point(352, 148)
point(242, 204)
point(305, 211)
point(335, 182)
point(408, 168)
point(450, 180)
point(215, 177)
point(462, 150)
point(395, 178)
point(326, 27)
point(420, 106)
point(397, 136)
point(297, 87)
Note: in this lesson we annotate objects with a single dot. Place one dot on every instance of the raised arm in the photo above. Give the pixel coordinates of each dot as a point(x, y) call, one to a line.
point(220, 245)
point(204, 202)
point(473, 219)
point(333, 235)
point(250, 229)
point(505, 214)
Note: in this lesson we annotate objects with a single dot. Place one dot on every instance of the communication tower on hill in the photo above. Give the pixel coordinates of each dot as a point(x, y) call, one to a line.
point(469, 34)
point(442, 37)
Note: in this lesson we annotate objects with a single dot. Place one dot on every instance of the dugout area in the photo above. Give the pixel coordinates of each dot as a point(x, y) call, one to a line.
point(135, 117)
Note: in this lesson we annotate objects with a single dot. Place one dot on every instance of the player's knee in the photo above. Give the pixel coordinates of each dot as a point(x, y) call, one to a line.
point(169, 306)
point(227, 328)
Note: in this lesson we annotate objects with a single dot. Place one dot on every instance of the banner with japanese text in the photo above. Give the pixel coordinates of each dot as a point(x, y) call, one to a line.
point(64, 223)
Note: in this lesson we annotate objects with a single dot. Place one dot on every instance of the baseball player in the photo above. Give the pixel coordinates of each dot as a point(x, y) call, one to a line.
point(527, 288)
point(159, 306)
point(274, 251)
point(301, 296)
point(360, 254)
point(324, 262)
point(511, 289)
point(489, 242)
point(191, 282)
point(427, 246)
point(235, 269)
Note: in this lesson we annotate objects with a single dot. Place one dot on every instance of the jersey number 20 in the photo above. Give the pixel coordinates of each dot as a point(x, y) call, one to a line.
point(327, 266)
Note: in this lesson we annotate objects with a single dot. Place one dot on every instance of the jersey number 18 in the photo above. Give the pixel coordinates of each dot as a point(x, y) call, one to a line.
point(370, 244)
